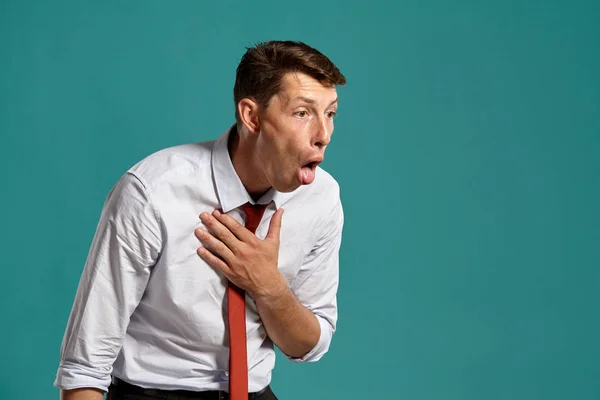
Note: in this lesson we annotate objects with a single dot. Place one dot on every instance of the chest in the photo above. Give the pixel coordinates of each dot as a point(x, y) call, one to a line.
point(180, 268)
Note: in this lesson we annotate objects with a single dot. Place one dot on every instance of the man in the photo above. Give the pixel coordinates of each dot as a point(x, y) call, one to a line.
point(174, 251)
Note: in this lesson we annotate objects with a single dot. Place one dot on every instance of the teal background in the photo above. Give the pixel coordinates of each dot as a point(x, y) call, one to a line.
point(467, 147)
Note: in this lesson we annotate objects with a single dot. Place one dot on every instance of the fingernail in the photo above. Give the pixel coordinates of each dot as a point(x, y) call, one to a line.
point(204, 216)
point(217, 213)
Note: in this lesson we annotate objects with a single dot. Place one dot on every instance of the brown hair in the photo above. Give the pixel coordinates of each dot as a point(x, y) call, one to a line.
point(261, 68)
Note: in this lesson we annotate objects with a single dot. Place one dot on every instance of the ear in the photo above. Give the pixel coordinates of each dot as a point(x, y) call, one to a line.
point(248, 109)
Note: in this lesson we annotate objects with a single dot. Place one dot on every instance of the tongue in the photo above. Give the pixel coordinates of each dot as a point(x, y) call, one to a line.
point(306, 175)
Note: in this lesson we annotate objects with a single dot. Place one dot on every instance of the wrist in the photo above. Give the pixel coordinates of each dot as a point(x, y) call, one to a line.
point(273, 292)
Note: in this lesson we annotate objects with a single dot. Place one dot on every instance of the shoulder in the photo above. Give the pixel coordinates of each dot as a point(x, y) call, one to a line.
point(176, 161)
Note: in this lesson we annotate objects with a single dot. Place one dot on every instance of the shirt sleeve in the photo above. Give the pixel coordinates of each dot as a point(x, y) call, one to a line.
point(125, 246)
point(317, 282)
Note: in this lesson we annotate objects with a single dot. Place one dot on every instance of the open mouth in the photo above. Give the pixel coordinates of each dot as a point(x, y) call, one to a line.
point(307, 173)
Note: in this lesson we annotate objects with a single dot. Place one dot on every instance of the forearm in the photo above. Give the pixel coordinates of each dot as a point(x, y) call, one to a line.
point(82, 394)
point(290, 325)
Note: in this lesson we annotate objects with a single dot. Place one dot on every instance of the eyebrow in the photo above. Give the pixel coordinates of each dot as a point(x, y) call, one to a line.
point(312, 101)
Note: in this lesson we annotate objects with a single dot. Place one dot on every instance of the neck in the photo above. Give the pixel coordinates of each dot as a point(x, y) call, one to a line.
point(241, 149)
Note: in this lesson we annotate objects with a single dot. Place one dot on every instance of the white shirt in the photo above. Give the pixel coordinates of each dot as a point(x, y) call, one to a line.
point(150, 311)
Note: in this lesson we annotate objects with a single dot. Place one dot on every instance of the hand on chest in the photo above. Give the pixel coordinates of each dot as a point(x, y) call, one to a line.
point(181, 260)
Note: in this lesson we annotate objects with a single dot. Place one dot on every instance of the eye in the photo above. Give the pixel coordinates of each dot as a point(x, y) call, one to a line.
point(331, 114)
point(301, 114)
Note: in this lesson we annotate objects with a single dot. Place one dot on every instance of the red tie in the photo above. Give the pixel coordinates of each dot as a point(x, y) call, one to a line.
point(238, 358)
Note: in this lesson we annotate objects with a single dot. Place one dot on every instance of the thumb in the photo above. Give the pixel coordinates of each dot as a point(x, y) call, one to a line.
point(275, 226)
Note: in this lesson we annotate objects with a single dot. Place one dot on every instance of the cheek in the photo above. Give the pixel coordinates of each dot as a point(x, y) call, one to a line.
point(284, 143)
point(272, 152)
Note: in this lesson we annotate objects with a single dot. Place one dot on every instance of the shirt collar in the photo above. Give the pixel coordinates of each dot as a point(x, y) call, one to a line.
point(230, 189)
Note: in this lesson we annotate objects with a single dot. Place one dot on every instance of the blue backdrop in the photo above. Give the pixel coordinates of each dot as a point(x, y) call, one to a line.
point(467, 148)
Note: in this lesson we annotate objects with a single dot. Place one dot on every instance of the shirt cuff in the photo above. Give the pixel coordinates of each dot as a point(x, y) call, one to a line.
point(74, 376)
point(322, 345)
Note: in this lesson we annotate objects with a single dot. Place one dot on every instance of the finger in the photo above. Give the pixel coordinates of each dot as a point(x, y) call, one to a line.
point(275, 226)
point(210, 241)
point(219, 230)
point(214, 261)
point(234, 227)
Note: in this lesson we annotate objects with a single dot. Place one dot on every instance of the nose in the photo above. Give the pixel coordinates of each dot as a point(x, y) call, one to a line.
point(323, 131)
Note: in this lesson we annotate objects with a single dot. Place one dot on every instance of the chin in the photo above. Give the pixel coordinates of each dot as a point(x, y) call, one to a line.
point(286, 187)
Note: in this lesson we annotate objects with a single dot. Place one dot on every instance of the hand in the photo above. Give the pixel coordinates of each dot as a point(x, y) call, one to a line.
point(247, 261)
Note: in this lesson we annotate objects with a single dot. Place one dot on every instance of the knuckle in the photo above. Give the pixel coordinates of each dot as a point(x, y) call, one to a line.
point(244, 252)
point(220, 247)
point(223, 235)
point(235, 229)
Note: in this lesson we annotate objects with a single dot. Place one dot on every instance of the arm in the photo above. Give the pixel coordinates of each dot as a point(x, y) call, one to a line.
point(125, 246)
point(307, 336)
point(289, 324)
point(82, 394)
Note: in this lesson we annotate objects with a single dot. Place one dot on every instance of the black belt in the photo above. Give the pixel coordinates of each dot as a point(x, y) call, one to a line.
point(127, 388)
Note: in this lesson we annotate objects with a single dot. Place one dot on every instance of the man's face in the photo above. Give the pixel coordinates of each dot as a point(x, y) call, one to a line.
point(294, 131)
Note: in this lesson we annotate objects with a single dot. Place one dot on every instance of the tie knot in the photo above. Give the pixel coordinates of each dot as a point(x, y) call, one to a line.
point(254, 214)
